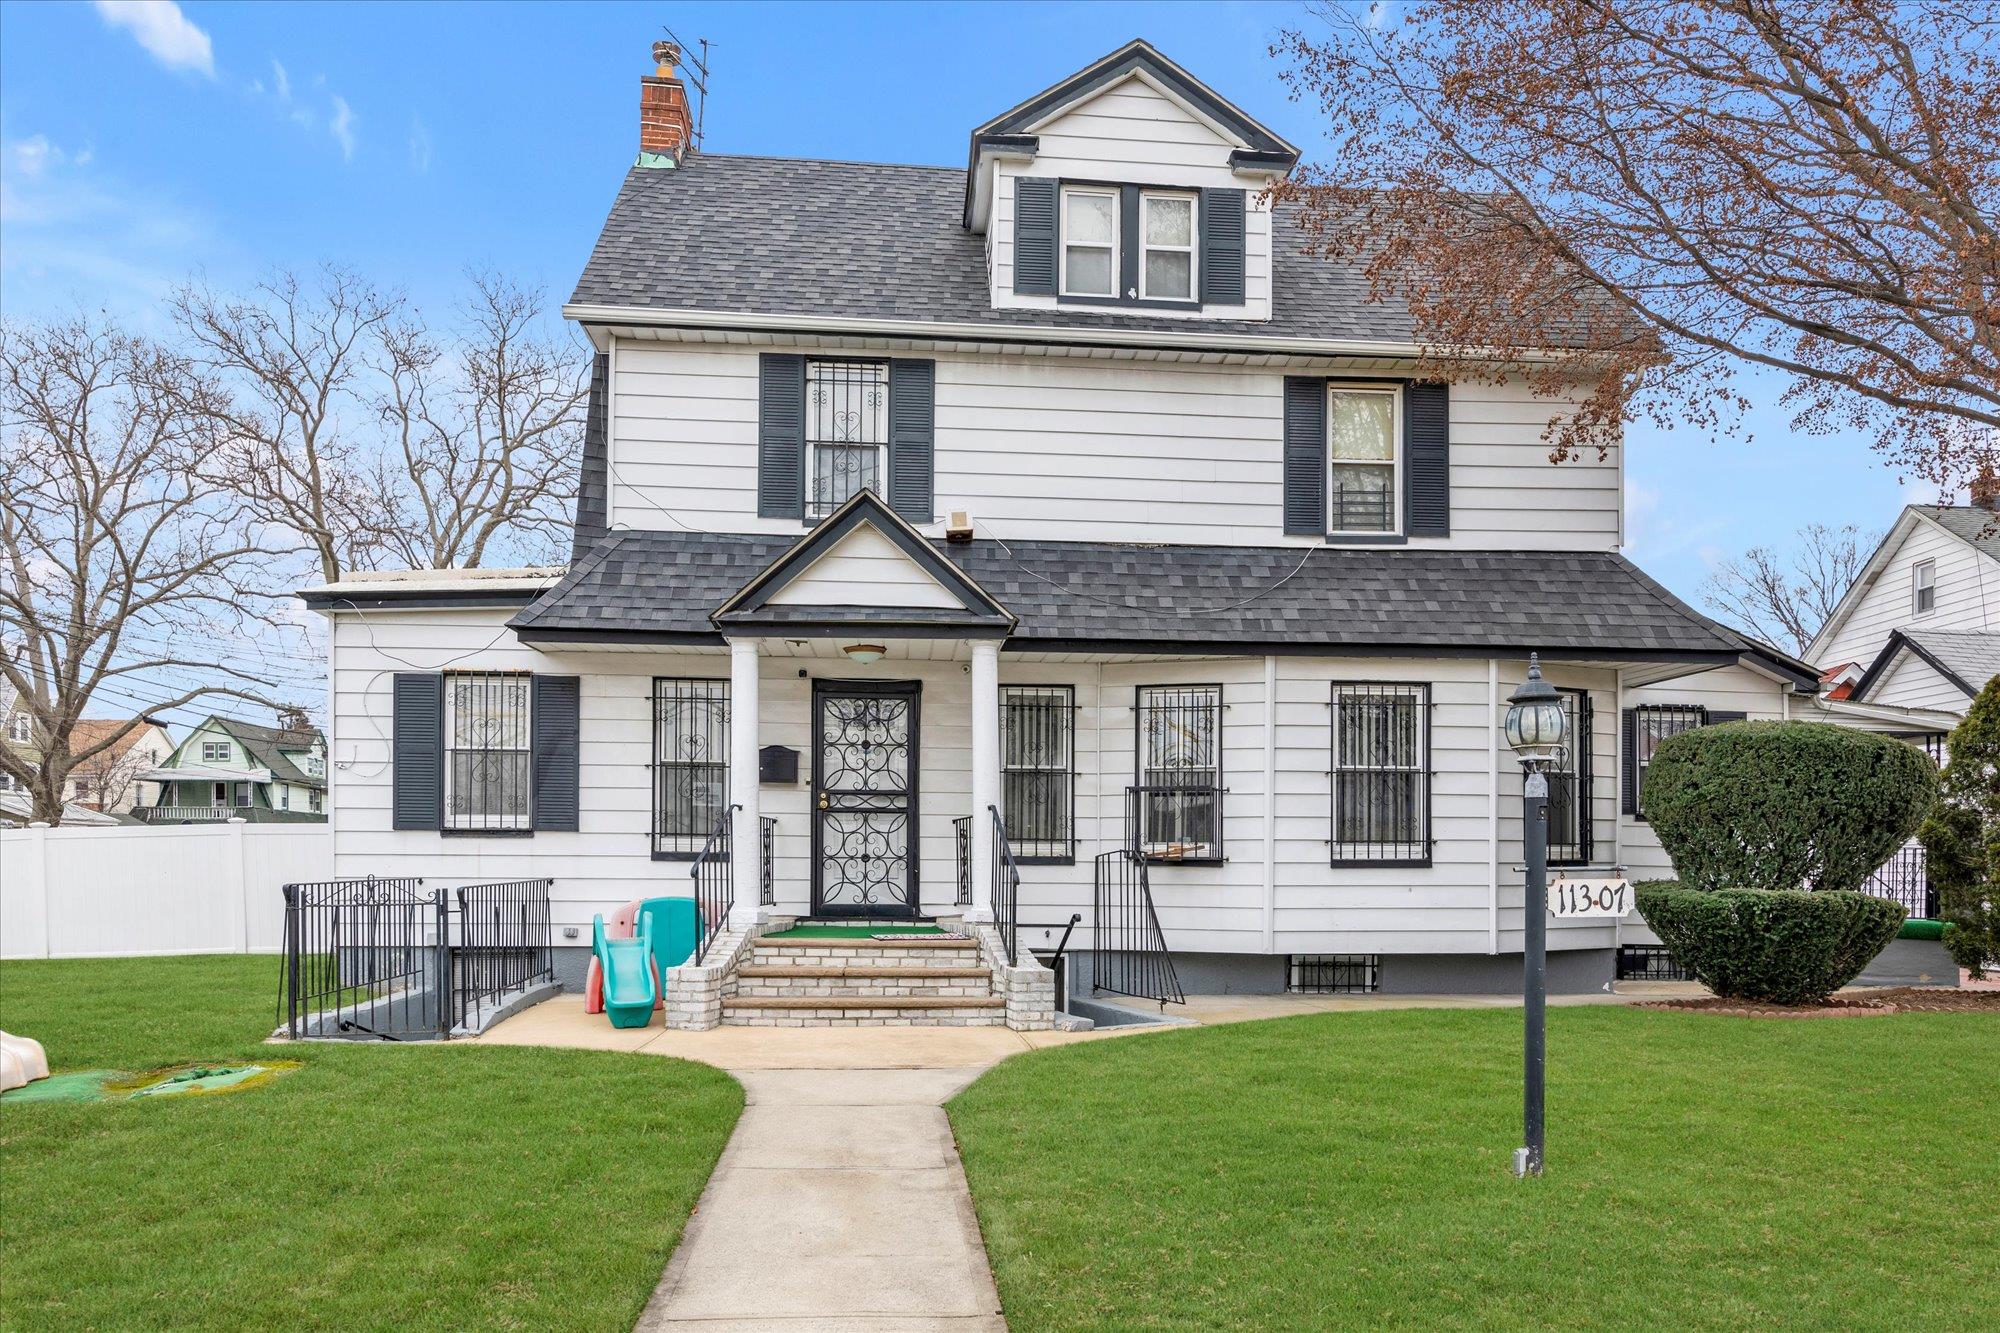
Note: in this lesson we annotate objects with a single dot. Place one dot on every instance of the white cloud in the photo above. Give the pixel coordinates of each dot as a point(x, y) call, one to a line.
point(32, 157)
point(341, 126)
point(281, 81)
point(420, 146)
point(160, 27)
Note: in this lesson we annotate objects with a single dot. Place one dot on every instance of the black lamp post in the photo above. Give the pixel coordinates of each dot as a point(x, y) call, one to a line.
point(1535, 725)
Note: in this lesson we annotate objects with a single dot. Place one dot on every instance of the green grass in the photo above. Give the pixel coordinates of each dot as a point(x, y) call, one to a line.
point(1352, 1170)
point(379, 1186)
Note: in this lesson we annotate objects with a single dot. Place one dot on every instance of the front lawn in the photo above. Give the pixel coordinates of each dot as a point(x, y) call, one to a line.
point(379, 1186)
point(1352, 1170)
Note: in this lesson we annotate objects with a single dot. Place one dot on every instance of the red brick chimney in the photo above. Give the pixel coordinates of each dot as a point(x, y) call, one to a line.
point(665, 125)
point(1986, 488)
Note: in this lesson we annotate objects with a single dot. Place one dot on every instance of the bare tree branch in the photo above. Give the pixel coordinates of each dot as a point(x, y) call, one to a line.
point(1786, 601)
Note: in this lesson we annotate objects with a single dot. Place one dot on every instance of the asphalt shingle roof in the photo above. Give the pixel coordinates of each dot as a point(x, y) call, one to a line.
point(1972, 656)
point(263, 745)
point(791, 236)
point(1979, 526)
point(1200, 597)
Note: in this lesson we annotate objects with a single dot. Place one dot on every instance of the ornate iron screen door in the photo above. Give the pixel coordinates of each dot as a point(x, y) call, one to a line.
point(865, 798)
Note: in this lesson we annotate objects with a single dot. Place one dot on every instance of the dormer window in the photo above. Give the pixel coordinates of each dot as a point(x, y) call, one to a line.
point(1090, 242)
point(1925, 599)
point(1166, 259)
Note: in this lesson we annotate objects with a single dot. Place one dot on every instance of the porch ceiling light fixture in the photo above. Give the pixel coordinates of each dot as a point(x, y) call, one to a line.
point(865, 653)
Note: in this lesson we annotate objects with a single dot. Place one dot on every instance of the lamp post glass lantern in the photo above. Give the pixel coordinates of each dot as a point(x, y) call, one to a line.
point(1535, 726)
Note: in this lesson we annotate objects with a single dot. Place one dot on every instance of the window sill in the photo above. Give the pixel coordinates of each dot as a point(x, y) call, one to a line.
point(486, 833)
point(1126, 303)
point(1408, 863)
point(1157, 859)
point(676, 856)
point(1367, 539)
point(1045, 860)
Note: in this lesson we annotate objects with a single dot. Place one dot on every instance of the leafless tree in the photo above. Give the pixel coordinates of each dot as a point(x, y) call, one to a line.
point(1786, 600)
point(377, 439)
point(486, 429)
point(106, 774)
point(1668, 189)
point(290, 360)
point(114, 546)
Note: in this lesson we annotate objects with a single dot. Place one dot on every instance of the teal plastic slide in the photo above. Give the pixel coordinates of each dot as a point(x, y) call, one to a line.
point(676, 924)
point(631, 986)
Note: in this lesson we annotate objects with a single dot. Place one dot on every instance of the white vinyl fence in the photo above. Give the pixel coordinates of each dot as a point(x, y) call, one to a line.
point(117, 892)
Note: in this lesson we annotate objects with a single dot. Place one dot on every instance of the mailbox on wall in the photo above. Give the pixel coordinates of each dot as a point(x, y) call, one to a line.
point(778, 763)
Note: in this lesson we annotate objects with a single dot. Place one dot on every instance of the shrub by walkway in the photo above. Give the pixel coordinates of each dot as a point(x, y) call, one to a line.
point(1352, 1171)
point(386, 1186)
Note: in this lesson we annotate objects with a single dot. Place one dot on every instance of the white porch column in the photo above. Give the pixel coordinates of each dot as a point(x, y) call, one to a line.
point(746, 845)
point(985, 772)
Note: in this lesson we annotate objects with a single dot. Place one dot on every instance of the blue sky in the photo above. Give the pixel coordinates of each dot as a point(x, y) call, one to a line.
point(412, 140)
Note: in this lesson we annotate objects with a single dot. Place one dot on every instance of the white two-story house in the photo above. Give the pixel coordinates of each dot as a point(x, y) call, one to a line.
point(1049, 518)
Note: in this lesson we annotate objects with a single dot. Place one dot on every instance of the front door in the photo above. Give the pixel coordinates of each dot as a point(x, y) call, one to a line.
point(865, 798)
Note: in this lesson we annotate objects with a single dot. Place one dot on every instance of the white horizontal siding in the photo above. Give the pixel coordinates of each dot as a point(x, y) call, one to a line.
point(1132, 134)
point(1091, 450)
point(1912, 682)
point(1312, 906)
point(1968, 585)
point(864, 568)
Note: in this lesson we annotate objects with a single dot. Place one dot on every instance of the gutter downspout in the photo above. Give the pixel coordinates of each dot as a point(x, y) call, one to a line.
point(1493, 805)
point(1270, 805)
point(611, 434)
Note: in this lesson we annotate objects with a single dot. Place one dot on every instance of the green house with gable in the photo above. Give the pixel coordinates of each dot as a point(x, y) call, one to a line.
point(231, 769)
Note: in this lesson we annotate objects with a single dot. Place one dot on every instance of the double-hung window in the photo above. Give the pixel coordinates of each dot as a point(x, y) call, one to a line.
point(20, 728)
point(1089, 241)
point(1166, 247)
point(1381, 774)
point(486, 750)
point(1651, 724)
point(215, 752)
point(1176, 809)
point(847, 432)
point(1571, 830)
point(1038, 770)
point(690, 763)
point(1363, 429)
point(1924, 598)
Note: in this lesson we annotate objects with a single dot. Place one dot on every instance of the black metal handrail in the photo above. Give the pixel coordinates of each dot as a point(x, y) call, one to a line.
point(1905, 878)
point(503, 941)
point(1006, 888)
point(961, 839)
point(1128, 950)
point(768, 844)
point(714, 876)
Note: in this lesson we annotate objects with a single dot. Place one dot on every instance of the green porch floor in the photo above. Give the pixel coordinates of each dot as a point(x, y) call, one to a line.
point(848, 932)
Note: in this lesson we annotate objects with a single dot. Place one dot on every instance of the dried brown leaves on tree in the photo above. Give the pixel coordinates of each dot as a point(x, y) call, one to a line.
point(1671, 189)
point(1786, 602)
point(121, 556)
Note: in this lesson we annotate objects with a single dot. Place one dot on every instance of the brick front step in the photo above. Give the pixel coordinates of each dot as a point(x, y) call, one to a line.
point(919, 942)
point(832, 953)
point(864, 1010)
point(857, 971)
point(864, 1002)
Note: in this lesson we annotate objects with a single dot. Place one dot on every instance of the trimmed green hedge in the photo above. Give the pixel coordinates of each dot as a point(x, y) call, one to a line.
point(1784, 805)
point(1766, 945)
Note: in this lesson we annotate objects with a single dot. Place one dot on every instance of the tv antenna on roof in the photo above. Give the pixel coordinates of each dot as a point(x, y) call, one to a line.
point(697, 75)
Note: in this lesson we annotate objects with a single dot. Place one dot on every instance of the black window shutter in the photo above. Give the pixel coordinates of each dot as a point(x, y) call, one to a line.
point(1427, 459)
point(416, 751)
point(1305, 456)
point(1628, 767)
point(781, 435)
point(912, 438)
point(553, 788)
point(1222, 224)
point(1035, 236)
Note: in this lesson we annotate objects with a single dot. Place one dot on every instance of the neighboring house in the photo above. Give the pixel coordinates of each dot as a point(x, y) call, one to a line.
point(107, 781)
point(1920, 628)
point(17, 810)
point(229, 769)
point(1065, 485)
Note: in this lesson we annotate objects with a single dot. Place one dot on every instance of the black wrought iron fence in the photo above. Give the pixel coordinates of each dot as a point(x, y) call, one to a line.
point(768, 841)
point(714, 878)
point(961, 841)
point(392, 959)
point(502, 942)
point(1006, 888)
point(1905, 878)
point(1128, 950)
